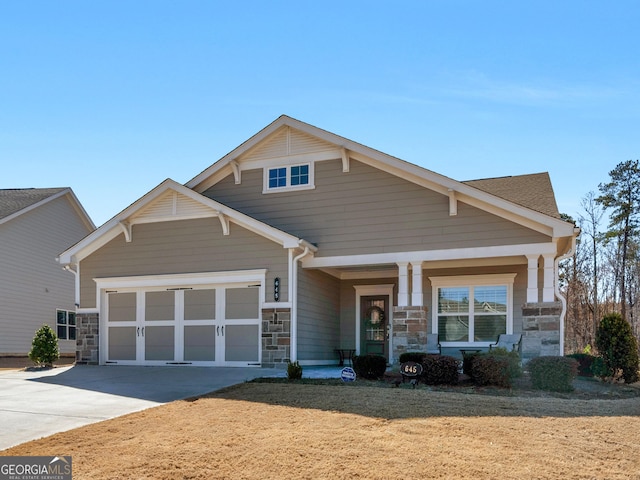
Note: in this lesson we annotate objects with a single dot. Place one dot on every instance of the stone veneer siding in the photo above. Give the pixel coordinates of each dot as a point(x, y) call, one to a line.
point(410, 325)
point(541, 329)
point(276, 337)
point(87, 338)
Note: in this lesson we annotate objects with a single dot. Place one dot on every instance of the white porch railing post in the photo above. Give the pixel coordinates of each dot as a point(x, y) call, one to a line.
point(403, 284)
point(417, 297)
point(548, 294)
point(532, 279)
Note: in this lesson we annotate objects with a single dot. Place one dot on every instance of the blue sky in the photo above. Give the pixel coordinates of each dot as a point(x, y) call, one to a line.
point(112, 97)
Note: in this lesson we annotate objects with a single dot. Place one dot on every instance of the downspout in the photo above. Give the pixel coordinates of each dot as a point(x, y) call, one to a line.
point(294, 305)
point(563, 300)
point(68, 268)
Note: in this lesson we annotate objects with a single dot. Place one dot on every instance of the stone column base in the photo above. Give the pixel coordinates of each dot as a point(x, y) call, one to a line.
point(409, 329)
point(87, 338)
point(276, 337)
point(541, 329)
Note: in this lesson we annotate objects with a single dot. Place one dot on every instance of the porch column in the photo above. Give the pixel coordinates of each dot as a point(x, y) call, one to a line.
point(417, 297)
point(403, 284)
point(548, 293)
point(532, 279)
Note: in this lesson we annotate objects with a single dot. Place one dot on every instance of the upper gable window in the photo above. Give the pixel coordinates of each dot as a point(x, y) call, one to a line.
point(292, 177)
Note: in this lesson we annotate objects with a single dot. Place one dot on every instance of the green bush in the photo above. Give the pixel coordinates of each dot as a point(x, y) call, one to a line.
point(44, 347)
point(440, 370)
point(489, 369)
point(585, 363)
point(371, 367)
point(553, 373)
point(294, 371)
point(513, 357)
point(412, 357)
point(467, 361)
point(599, 369)
point(618, 347)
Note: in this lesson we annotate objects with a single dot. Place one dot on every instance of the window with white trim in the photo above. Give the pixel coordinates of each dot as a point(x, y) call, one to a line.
point(291, 177)
point(472, 309)
point(66, 324)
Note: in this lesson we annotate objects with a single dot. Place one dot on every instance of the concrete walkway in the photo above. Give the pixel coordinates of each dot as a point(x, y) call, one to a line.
point(35, 404)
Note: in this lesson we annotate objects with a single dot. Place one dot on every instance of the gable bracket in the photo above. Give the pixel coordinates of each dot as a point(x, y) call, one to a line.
point(345, 160)
point(453, 203)
point(235, 166)
point(224, 221)
point(126, 229)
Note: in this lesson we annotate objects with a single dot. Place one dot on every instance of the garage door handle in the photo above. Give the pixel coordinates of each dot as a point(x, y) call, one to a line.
point(138, 332)
point(143, 331)
point(219, 330)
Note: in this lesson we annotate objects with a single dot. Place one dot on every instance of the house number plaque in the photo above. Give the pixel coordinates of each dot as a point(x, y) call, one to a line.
point(411, 369)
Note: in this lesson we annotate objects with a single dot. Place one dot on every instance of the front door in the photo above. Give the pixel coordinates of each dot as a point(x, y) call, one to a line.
point(374, 313)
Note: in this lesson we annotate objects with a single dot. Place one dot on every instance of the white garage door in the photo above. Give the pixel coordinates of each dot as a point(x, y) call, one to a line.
point(200, 325)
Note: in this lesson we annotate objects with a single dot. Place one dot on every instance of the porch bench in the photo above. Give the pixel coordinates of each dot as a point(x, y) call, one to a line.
point(511, 342)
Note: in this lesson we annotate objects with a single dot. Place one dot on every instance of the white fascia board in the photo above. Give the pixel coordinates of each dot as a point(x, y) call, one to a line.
point(537, 221)
point(111, 229)
point(431, 255)
point(182, 279)
point(526, 217)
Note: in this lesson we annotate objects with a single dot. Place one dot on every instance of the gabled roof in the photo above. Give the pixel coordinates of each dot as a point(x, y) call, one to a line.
point(509, 197)
point(18, 201)
point(533, 191)
point(171, 201)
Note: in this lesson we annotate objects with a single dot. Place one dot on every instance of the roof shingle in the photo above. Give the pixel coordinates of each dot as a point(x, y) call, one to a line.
point(13, 200)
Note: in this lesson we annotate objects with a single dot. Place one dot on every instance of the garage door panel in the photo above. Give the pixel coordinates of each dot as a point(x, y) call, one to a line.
point(200, 343)
point(159, 343)
point(241, 303)
point(160, 305)
point(241, 343)
point(200, 304)
point(122, 307)
point(122, 343)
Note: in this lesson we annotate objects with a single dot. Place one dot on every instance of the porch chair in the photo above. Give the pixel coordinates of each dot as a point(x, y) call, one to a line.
point(512, 342)
point(433, 344)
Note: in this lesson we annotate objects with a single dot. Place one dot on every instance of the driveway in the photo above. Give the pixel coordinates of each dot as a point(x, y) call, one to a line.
point(35, 404)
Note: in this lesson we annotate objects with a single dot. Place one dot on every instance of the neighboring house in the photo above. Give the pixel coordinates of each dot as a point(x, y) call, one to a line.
point(35, 225)
point(300, 242)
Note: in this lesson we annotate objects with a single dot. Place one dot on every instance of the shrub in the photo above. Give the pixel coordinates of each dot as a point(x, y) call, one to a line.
point(513, 357)
point(618, 347)
point(553, 373)
point(467, 361)
point(440, 370)
point(585, 363)
point(44, 347)
point(412, 357)
point(599, 369)
point(371, 367)
point(294, 371)
point(491, 369)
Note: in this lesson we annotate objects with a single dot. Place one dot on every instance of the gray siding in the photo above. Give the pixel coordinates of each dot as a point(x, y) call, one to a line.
point(318, 315)
point(368, 211)
point(187, 246)
point(32, 284)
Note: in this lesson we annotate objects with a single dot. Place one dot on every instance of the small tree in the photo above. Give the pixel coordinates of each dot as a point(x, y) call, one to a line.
point(618, 347)
point(44, 347)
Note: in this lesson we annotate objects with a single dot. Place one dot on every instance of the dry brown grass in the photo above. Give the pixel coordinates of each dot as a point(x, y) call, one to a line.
point(302, 431)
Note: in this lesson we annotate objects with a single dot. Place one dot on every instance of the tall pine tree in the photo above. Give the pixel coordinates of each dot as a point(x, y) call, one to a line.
point(622, 195)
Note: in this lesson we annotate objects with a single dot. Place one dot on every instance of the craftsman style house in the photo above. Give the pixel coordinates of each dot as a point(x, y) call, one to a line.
point(300, 242)
point(35, 225)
